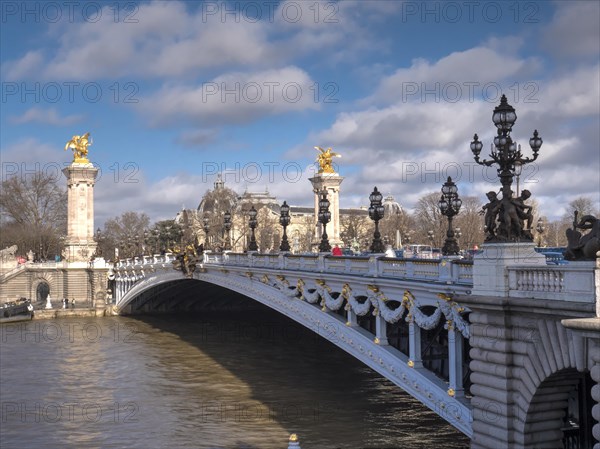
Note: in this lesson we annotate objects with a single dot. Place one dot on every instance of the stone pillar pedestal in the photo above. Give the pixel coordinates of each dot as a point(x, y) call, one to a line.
point(490, 274)
point(80, 243)
point(331, 183)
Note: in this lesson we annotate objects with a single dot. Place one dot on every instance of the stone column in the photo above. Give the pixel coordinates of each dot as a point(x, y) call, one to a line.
point(80, 243)
point(380, 331)
point(331, 182)
point(455, 362)
point(414, 345)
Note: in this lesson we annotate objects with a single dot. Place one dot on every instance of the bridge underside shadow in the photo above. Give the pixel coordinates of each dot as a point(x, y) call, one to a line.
point(188, 295)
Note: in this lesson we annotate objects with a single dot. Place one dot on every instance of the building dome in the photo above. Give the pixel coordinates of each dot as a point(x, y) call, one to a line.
point(391, 206)
point(220, 199)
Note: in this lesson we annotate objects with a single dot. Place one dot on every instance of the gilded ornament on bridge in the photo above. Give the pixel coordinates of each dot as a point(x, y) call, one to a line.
point(186, 260)
point(324, 159)
point(79, 145)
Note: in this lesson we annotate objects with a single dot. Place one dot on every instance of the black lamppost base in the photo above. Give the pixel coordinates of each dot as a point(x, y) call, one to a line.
point(450, 247)
point(285, 245)
point(252, 246)
point(324, 246)
point(377, 245)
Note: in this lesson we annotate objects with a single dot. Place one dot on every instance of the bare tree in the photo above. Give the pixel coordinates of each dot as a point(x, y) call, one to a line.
point(584, 205)
point(470, 222)
point(33, 214)
point(555, 233)
point(268, 230)
point(393, 224)
point(302, 233)
point(213, 206)
point(428, 217)
point(355, 227)
point(127, 232)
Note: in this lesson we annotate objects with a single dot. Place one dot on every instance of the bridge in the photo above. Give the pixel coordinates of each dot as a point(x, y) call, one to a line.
point(505, 348)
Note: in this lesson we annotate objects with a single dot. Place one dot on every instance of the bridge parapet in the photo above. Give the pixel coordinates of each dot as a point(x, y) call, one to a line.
point(446, 271)
point(575, 282)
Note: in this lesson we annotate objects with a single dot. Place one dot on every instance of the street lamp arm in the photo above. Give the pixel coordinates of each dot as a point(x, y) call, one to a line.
point(485, 162)
point(527, 160)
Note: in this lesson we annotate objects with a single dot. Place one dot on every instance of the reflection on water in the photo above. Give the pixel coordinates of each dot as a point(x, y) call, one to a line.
point(199, 381)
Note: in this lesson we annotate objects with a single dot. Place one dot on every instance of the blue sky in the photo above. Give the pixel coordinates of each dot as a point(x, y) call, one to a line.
point(173, 92)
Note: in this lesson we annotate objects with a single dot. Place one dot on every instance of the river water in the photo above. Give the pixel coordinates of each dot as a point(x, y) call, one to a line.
point(215, 380)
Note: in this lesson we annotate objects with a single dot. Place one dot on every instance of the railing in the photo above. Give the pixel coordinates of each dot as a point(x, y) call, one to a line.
point(574, 282)
point(444, 270)
point(12, 272)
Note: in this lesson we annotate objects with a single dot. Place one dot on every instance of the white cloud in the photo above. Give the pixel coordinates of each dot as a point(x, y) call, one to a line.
point(175, 39)
point(574, 31)
point(28, 154)
point(464, 75)
point(234, 97)
point(24, 67)
point(46, 116)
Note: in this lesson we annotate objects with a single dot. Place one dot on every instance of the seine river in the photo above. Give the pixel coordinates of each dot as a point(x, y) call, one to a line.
point(198, 381)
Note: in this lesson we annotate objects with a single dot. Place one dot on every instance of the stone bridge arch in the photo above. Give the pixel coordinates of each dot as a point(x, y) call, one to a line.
point(136, 289)
point(38, 282)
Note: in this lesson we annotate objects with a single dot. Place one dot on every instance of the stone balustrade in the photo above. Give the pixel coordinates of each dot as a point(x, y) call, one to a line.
point(575, 282)
point(445, 270)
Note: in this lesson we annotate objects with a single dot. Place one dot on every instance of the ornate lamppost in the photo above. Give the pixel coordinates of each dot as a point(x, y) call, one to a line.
point(284, 221)
point(227, 226)
point(206, 227)
point(252, 222)
point(507, 154)
point(450, 206)
point(376, 211)
point(324, 218)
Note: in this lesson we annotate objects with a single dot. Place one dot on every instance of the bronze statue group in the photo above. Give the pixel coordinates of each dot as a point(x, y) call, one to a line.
point(508, 219)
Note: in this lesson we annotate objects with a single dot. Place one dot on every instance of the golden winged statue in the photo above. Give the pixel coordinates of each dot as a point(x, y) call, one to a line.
point(324, 160)
point(79, 145)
